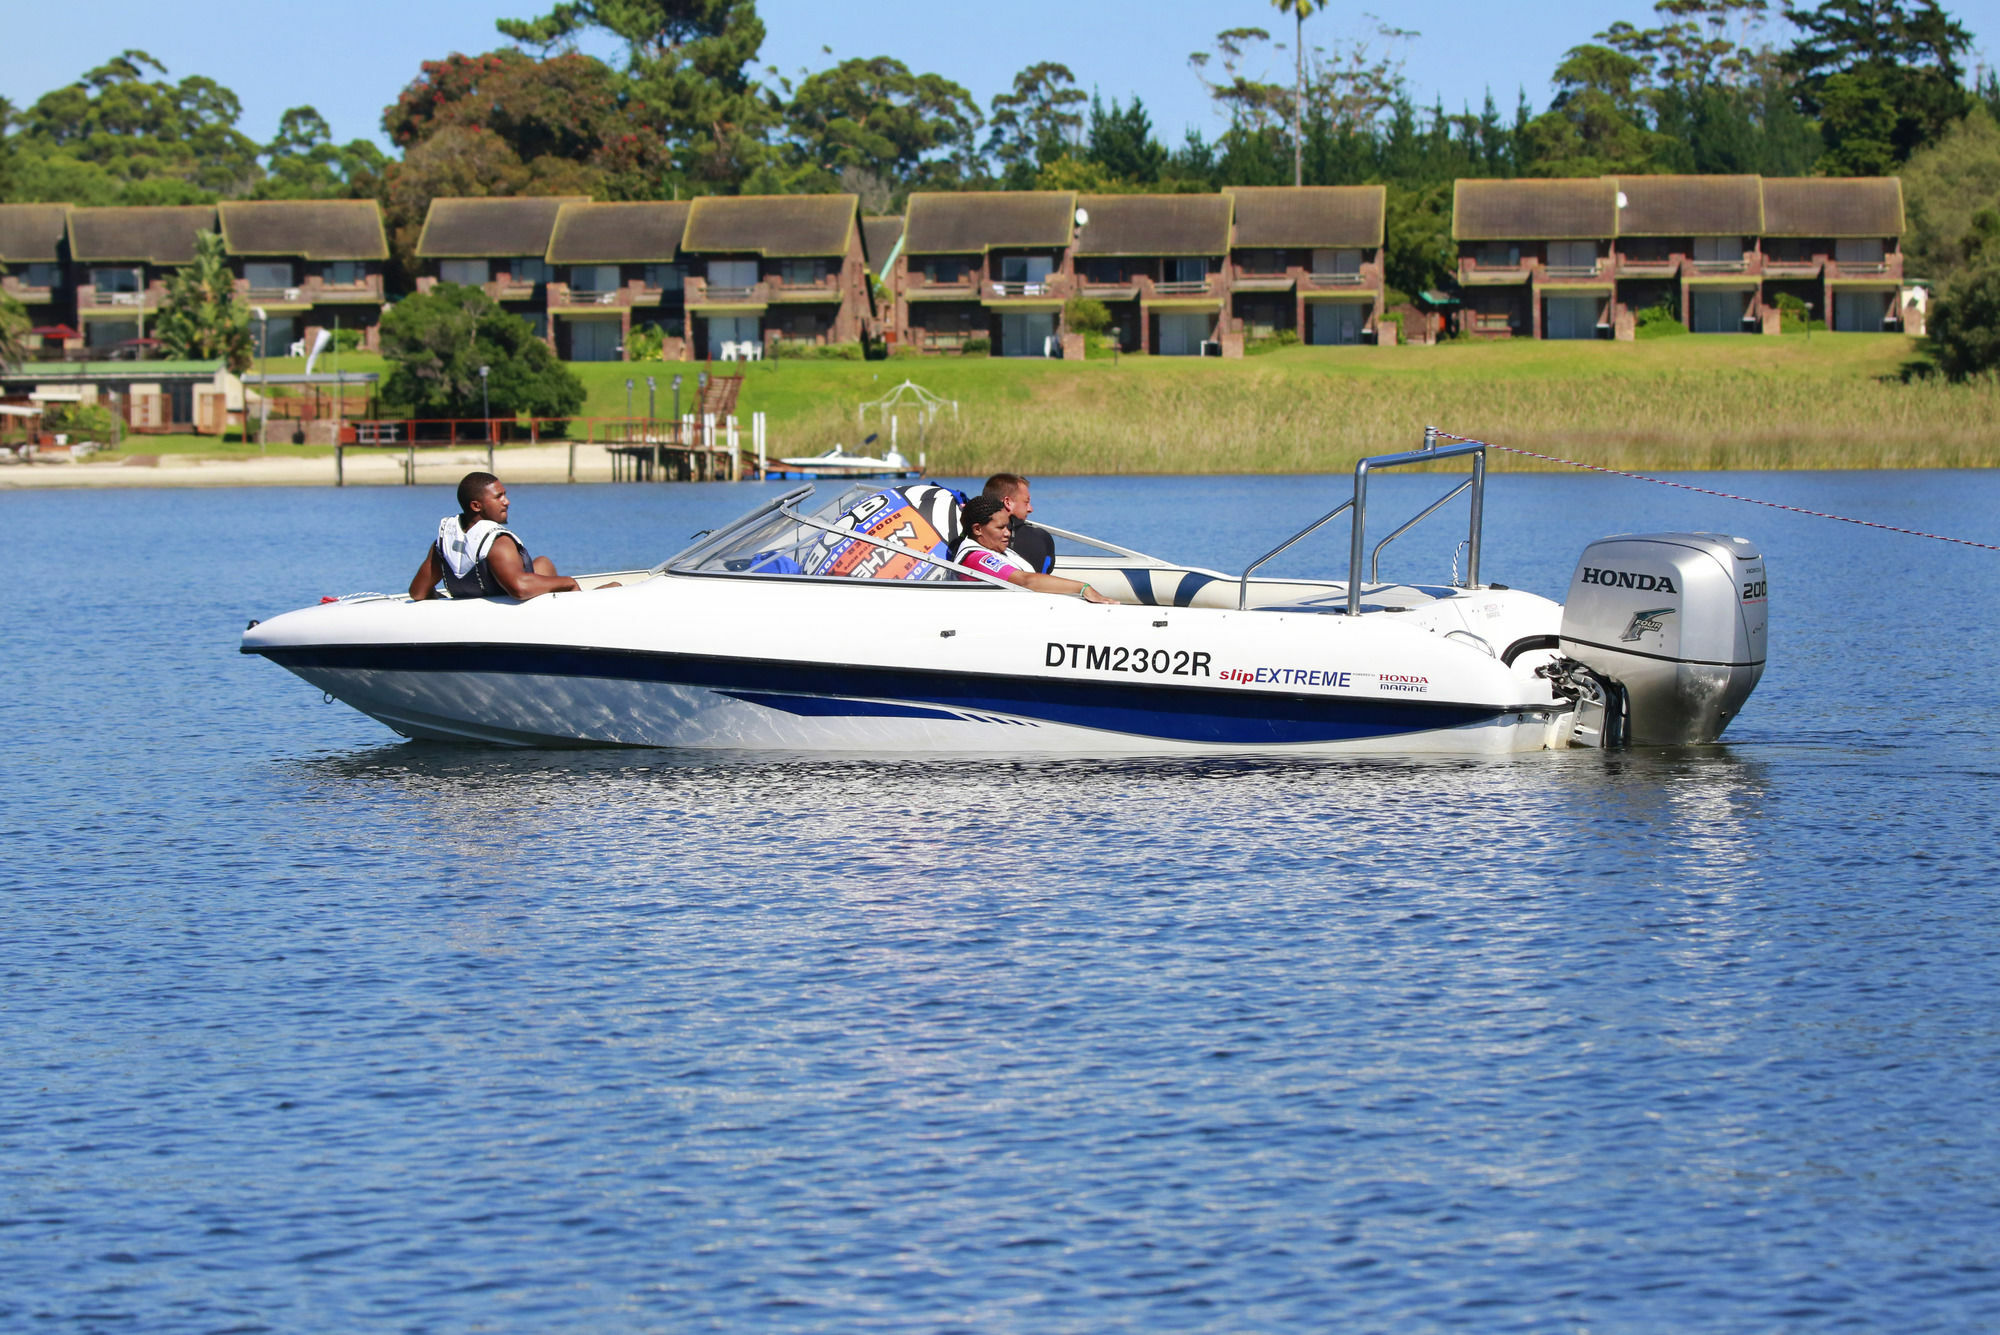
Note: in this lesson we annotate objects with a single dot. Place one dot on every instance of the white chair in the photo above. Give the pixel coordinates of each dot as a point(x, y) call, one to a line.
point(298, 349)
point(729, 351)
point(753, 352)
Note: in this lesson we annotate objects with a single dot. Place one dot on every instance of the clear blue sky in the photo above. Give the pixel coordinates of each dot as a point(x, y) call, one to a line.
point(351, 59)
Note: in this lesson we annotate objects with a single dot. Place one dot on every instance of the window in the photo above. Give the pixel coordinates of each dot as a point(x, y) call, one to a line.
point(1718, 312)
point(529, 269)
point(1343, 262)
point(1788, 250)
point(944, 268)
point(1573, 255)
point(472, 273)
point(1186, 271)
point(1260, 261)
point(732, 273)
point(1026, 333)
point(1497, 255)
point(1569, 317)
point(274, 337)
point(801, 273)
point(1025, 268)
point(266, 276)
point(1861, 312)
point(593, 278)
point(1103, 271)
point(104, 333)
point(1853, 250)
point(115, 280)
point(1718, 250)
point(594, 341)
point(41, 275)
point(1647, 249)
point(343, 273)
point(1183, 332)
point(665, 277)
point(1336, 323)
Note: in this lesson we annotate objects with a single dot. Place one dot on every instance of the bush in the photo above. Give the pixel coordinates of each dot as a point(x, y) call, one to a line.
point(81, 422)
point(976, 347)
point(1792, 313)
point(436, 341)
point(1965, 325)
point(1284, 338)
point(1659, 321)
point(1086, 315)
point(346, 340)
point(645, 343)
point(819, 352)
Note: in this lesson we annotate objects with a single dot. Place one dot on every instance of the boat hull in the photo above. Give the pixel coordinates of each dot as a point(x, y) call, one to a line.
point(890, 668)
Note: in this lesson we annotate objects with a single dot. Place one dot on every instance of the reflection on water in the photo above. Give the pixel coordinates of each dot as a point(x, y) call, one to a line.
point(309, 1028)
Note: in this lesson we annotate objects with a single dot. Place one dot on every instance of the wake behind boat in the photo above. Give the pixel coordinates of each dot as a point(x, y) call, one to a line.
point(842, 624)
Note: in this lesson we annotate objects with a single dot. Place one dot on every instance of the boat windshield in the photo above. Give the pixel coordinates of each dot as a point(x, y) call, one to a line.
point(864, 531)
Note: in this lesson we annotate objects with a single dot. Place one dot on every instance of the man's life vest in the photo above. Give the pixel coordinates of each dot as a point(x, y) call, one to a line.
point(463, 555)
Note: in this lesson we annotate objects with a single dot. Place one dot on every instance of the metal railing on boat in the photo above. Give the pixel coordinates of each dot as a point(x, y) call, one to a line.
point(1358, 530)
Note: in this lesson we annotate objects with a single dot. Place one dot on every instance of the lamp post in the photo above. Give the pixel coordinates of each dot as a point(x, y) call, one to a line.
point(628, 399)
point(486, 409)
point(652, 435)
point(677, 398)
point(263, 379)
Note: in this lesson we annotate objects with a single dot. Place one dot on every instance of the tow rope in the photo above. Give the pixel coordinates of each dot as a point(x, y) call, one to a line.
point(1725, 495)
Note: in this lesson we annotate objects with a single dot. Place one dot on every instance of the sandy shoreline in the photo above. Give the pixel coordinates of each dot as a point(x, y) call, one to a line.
point(524, 463)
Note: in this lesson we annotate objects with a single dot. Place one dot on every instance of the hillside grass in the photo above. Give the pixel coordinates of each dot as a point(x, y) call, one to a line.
point(1698, 402)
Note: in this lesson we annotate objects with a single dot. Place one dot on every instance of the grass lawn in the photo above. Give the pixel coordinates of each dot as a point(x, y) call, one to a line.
point(1695, 401)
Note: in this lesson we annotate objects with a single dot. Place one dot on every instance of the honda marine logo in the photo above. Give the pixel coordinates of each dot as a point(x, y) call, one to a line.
point(1628, 579)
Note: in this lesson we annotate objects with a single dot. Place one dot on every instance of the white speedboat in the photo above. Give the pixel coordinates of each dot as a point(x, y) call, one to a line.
point(838, 463)
point(842, 625)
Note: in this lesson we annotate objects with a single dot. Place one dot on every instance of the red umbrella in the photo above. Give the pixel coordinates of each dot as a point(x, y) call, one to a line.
point(54, 331)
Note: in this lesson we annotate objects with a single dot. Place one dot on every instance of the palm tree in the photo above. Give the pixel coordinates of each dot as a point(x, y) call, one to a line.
point(1300, 10)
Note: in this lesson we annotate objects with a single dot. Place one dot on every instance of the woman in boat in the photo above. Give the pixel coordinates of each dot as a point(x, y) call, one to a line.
point(988, 526)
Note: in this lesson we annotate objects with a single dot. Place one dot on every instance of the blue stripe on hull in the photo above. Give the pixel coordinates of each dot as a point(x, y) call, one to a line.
point(1142, 709)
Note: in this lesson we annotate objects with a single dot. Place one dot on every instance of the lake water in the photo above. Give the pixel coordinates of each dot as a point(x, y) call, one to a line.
point(309, 1028)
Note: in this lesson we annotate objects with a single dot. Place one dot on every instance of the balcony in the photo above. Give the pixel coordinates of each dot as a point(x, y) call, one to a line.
point(1124, 290)
point(1590, 270)
point(1262, 280)
point(1043, 288)
point(510, 289)
point(1336, 280)
point(1648, 268)
point(563, 295)
point(273, 295)
point(1720, 266)
point(1472, 273)
point(90, 299)
point(1791, 268)
point(1861, 269)
point(826, 289)
point(731, 294)
point(916, 280)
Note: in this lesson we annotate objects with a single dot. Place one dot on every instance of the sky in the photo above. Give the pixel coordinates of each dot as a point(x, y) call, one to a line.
point(351, 60)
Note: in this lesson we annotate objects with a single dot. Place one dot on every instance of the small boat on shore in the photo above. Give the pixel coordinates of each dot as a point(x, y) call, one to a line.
point(842, 624)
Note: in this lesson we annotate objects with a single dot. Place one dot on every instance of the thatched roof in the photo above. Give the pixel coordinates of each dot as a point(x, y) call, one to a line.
point(774, 226)
point(318, 229)
point(977, 221)
point(477, 228)
point(138, 235)
point(1690, 206)
point(1316, 217)
point(1534, 210)
point(31, 233)
point(1154, 225)
point(1855, 207)
point(638, 233)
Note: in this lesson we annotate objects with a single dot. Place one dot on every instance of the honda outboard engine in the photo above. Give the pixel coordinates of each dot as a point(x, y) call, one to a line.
point(1666, 634)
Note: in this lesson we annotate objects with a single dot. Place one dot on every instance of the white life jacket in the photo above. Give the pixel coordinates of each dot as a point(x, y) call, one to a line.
point(463, 552)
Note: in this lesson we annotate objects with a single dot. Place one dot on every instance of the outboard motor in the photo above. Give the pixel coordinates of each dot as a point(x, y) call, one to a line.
point(1666, 632)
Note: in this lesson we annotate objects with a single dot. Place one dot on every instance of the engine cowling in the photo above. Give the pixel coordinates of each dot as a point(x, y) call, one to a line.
point(1674, 625)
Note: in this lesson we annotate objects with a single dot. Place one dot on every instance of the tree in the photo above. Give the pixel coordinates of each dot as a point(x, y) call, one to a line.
point(1417, 250)
point(1121, 142)
point(1300, 10)
point(687, 74)
point(201, 319)
point(436, 341)
point(117, 136)
point(1965, 325)
point(302, 162)
point(1882, 76)
point(878, 116)
point(1036, 123)
point(459, 161)
point(1947, 187)
point(13, 330)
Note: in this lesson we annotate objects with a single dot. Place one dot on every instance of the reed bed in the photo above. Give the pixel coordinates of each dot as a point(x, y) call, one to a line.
point(1278, 423)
